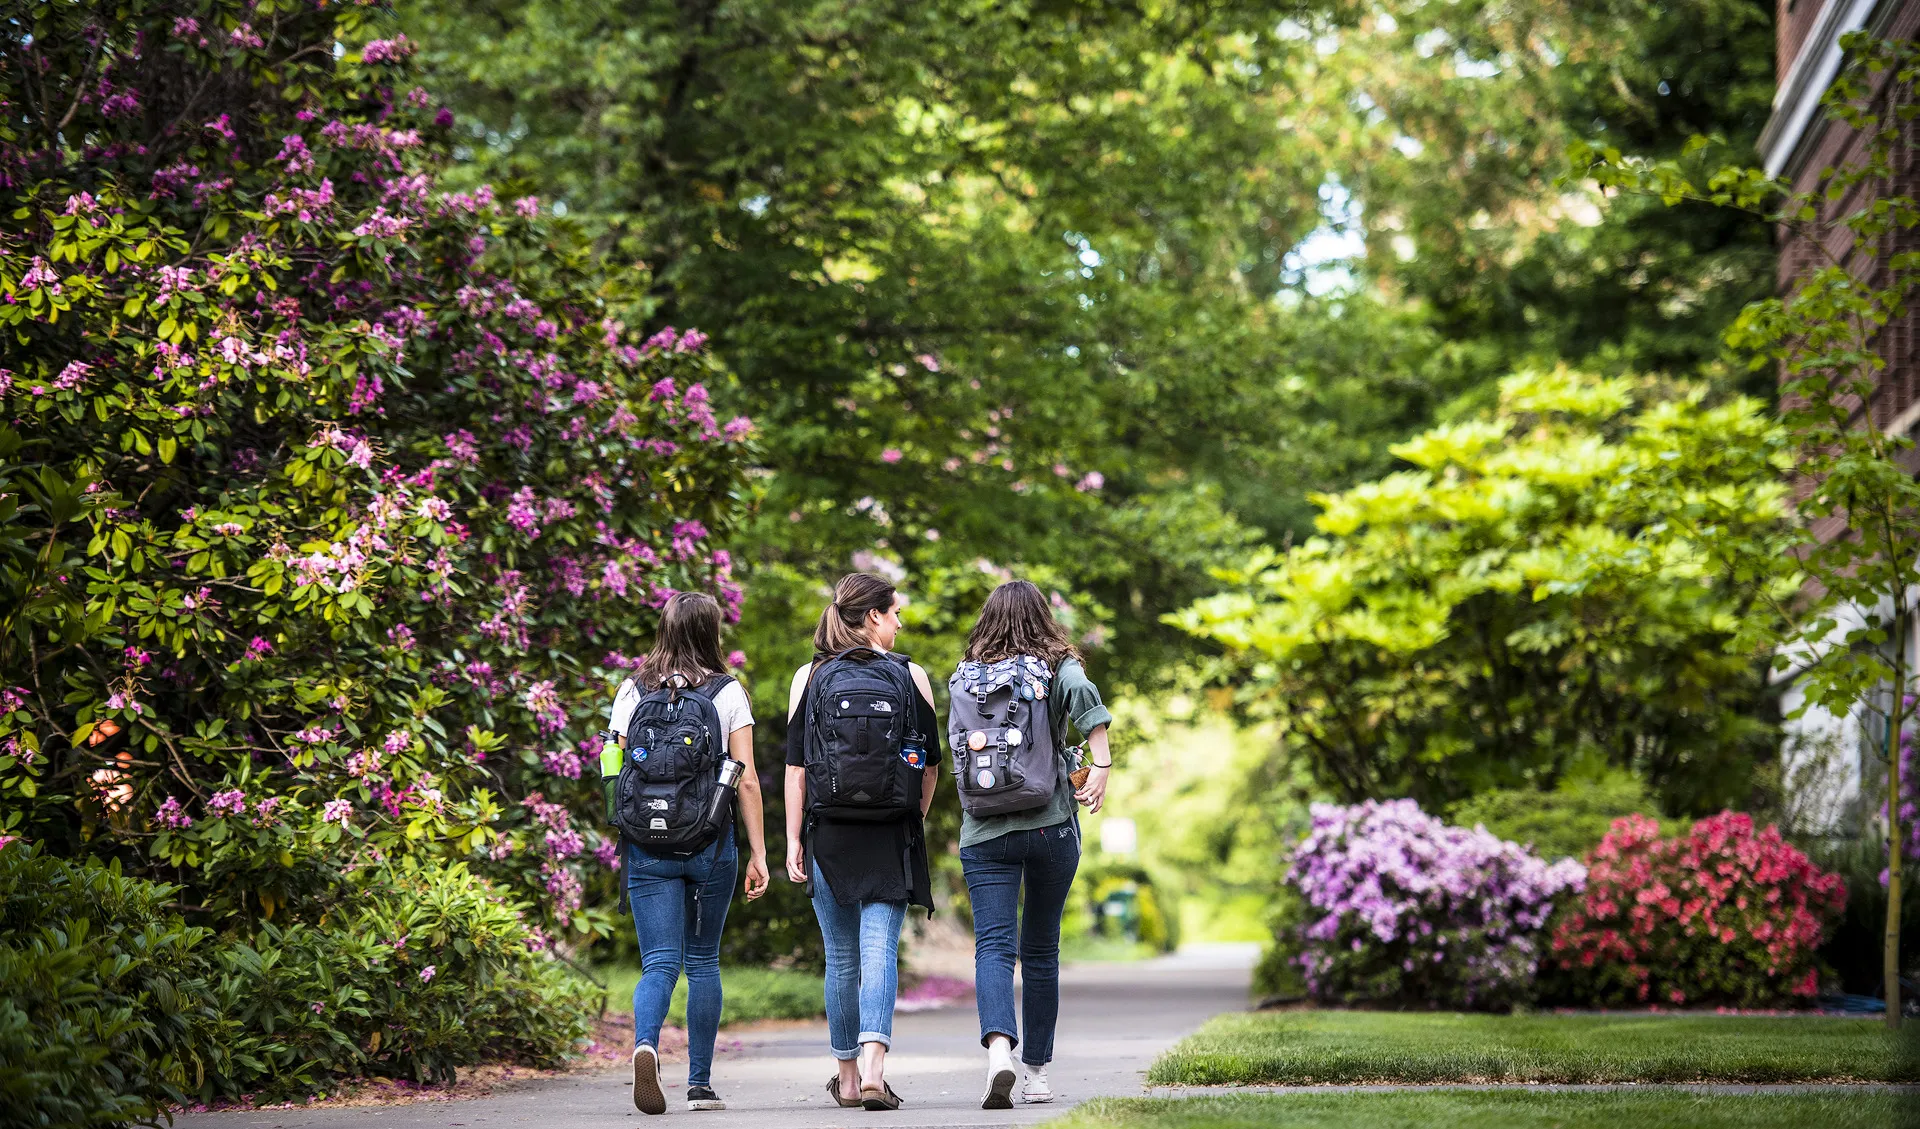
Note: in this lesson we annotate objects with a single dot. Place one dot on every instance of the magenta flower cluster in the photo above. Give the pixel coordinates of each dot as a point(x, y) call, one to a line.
point(1403, 906)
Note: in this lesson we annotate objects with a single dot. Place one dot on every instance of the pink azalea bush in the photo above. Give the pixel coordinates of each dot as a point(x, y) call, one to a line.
point(1399, 906)
point(1722, 915)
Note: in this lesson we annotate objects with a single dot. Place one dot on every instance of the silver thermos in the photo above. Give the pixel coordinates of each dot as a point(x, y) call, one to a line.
point(717, 807)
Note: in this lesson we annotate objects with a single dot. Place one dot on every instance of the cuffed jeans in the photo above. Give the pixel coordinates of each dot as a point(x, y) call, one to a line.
point(863, 968)
point(679, 909)
point(1046, 859)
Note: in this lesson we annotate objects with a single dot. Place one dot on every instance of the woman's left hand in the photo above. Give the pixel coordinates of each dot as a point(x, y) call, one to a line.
point(1094, 792)
point(756, 876)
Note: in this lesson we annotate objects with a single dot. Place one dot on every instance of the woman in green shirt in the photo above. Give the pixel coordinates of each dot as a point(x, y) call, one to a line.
point(1038, 848)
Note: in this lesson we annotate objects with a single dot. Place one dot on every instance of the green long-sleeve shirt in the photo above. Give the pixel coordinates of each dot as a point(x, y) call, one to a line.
point(1075, 700)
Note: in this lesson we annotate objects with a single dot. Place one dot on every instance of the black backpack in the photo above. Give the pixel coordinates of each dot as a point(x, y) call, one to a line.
point(864, 758)
point(671, 768)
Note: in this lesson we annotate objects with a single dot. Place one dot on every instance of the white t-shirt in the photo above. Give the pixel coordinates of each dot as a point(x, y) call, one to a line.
point(736, 713)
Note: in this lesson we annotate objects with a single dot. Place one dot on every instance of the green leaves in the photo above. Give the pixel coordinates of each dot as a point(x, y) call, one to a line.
point(1576, 578)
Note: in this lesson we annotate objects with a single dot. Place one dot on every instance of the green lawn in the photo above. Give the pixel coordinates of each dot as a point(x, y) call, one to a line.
point(1293, 1047)
point(1510, 1109)
point(748, 994)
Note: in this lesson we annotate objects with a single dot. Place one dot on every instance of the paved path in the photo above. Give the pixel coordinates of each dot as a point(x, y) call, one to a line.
point(1114, 1019)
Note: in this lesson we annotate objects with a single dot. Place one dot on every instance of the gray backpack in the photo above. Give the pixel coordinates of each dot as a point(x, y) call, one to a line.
point(1005, 757)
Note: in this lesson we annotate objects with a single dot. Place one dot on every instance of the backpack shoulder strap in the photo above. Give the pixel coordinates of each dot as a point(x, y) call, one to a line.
point(710, 689)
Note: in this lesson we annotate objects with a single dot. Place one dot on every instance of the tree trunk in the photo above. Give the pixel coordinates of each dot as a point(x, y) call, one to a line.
point(1896, 716)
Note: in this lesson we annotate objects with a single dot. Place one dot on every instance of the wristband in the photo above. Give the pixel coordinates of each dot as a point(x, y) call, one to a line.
point(1097, 764)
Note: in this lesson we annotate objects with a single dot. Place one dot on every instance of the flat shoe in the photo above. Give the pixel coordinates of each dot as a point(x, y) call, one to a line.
point(881, 1099)
point(833, 1091)
point(648, 1097)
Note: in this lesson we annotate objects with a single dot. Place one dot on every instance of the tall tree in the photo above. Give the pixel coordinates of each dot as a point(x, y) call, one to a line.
point(1007, 272)
point(1462, 114)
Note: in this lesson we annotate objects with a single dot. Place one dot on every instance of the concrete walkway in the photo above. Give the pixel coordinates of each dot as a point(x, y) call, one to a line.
point(1114, 1020)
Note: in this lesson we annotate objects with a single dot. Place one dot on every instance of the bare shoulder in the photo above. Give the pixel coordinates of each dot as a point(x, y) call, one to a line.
point(920, 679)
point(798, 689)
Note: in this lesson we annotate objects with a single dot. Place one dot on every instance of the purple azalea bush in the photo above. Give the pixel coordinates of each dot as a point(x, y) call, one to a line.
point(1400, 906)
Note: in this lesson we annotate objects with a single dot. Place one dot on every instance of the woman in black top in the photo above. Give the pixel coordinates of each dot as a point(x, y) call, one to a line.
point(861, 876)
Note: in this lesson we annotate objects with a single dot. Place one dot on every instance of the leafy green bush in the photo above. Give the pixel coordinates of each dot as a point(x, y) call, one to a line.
point(426, 969)
point(1277, 975)
point(1154, 918)
point(1855, 950)
point(98, 992)
point(748, 994)
point(1564, 823)
point(1535, 595)
point(110, 1005)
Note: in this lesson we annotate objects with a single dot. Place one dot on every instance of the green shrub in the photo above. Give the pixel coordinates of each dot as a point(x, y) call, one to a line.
point(426, 969)
point(1155, 919)
point(97, 992)
point(1566, 822)
point(1854, 951)
point(749, 994)
point(1278, 972)
point(111, 1006)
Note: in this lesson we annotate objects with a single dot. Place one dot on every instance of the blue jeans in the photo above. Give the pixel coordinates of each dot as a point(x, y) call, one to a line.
point(1046, 858)
point(863, 968)
point(679, 908)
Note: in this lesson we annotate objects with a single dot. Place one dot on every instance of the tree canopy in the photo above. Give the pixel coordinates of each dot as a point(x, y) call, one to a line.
point(1537, 595)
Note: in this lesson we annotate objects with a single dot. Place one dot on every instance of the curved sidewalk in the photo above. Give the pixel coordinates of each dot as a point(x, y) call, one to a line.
point(1114, 1020)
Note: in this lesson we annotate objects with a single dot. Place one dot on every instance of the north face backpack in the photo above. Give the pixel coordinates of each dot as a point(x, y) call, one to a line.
point(1005, 758)
point(672, 766)
point(863, 758)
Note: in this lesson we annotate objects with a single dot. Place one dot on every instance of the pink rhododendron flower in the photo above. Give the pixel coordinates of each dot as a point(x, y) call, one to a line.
point(170, 815)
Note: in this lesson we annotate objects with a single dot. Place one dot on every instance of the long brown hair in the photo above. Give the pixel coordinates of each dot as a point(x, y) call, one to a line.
point(688, 643)
point(843, 625)
point(1016, 620)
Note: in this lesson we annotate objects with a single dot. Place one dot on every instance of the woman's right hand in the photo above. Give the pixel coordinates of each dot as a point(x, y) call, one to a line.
point(796, 862)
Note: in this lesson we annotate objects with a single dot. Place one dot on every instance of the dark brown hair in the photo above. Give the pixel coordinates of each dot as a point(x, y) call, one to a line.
point(688, 643)
point(843, 624)
point(1016, 620)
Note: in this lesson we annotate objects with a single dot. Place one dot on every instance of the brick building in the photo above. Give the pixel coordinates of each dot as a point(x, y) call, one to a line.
point(1831, 773)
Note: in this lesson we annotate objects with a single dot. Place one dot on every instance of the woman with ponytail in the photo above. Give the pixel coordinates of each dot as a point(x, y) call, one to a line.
point(861, 758)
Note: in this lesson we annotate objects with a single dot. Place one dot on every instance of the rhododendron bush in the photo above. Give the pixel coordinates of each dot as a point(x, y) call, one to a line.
point(330, 501)
point(1722, 915)
point(1399, 906)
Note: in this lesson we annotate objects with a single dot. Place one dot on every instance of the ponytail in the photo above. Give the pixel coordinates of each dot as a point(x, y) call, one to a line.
point(843, 625)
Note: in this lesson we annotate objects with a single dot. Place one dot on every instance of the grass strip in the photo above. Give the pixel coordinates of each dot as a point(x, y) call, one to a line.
point(747, 994)
point(1307, 1047)
point(1508, 1109)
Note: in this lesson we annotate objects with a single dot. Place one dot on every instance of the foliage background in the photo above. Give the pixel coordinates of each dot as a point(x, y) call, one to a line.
point(1132, 301)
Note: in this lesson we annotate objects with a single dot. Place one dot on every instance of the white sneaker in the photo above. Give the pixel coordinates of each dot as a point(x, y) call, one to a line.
point(1036, 1090)
point(648, 1097)
point(999, 1075)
